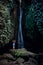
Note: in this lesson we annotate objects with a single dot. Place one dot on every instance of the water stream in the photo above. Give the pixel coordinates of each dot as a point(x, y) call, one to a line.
point(20, 36)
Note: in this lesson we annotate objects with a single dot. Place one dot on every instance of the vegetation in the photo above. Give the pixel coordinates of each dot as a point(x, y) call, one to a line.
point(34, 19)
point(6, 22)
point(19, 52)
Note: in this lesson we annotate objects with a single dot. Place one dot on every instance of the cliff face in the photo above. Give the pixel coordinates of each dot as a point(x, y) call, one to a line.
point(33, 24)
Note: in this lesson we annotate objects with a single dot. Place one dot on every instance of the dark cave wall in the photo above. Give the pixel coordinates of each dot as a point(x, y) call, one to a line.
point(33, 26)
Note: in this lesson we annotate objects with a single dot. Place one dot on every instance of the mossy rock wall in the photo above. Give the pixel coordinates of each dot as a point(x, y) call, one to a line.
point(7, 22)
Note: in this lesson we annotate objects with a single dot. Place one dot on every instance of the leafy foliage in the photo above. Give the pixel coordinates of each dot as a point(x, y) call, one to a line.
point(7, 33)
point(19, 52)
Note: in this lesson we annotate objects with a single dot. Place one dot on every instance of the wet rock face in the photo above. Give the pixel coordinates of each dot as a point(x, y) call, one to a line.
point(9, 59)
point(6, 25)
point(33, 26)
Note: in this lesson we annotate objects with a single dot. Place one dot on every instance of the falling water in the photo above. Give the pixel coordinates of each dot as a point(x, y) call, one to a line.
point(20, 36)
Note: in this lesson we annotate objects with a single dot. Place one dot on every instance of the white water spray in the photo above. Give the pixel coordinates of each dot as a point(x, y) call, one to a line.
point(20, 36)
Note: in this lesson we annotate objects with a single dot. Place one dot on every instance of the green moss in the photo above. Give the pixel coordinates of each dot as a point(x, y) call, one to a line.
point(19, 52)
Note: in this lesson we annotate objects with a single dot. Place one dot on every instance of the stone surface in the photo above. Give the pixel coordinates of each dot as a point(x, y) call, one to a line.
point(20, 60)
point(10, 59)
point(22, 52)
point(3, 62)
point(8, 56)
point(31, 62)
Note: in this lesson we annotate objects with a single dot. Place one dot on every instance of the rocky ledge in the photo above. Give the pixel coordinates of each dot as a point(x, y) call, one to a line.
point(19, 57)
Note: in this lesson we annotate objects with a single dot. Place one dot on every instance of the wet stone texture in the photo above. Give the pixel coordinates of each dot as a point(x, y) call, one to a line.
point(15, 59)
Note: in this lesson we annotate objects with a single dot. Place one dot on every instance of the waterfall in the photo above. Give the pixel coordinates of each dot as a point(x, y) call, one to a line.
point(20, 36)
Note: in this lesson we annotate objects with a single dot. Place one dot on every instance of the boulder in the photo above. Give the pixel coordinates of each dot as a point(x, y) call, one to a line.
point(3, 62)
point(20, 60)
point(8, 56)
